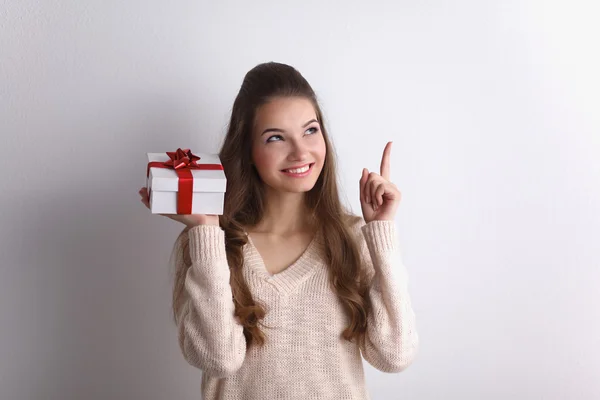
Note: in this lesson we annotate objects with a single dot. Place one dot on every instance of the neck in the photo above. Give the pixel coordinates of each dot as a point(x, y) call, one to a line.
point(285, 213)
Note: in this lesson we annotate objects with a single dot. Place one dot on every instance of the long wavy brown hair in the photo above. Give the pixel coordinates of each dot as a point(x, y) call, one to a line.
point(245, 202)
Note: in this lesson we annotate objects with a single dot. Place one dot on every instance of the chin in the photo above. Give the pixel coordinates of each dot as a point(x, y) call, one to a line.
point(291, 188)
point(303, 190)
point(298, 188)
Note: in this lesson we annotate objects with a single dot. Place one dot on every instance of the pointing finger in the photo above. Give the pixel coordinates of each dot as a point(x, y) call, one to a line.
point(385, 161)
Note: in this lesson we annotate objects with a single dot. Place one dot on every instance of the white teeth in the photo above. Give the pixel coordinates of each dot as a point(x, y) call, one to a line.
point(298, 171)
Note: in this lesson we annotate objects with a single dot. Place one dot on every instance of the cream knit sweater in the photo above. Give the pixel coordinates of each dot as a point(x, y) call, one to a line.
point(305, 356)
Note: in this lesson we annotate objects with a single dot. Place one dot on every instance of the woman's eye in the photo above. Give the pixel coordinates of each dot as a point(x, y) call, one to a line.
point(311, 131)
point(271, 137)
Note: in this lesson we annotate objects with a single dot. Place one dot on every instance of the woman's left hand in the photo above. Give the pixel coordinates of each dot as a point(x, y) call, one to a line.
point(379, 198)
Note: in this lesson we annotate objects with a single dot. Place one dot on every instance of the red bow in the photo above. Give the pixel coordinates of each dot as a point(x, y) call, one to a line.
point(183, 161)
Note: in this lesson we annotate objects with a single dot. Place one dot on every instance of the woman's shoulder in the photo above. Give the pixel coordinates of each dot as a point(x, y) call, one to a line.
point(354, 222)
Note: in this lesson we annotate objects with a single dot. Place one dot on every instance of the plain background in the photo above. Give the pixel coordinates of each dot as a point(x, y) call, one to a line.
point(493, 110)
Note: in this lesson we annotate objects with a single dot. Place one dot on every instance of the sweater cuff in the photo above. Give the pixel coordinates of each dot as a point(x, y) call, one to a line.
point(381, 236)
point(207, 242)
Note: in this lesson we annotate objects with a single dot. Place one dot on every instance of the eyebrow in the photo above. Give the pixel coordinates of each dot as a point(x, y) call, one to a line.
point(281, 130)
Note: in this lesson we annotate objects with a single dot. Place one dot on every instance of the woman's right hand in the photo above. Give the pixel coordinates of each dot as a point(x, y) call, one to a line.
point(189, 220)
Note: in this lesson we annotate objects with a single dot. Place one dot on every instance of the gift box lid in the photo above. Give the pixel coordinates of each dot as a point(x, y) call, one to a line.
point(166, 179)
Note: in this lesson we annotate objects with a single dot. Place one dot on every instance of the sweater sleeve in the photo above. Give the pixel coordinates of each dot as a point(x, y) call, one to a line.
point(210, 337)
point(392, 340)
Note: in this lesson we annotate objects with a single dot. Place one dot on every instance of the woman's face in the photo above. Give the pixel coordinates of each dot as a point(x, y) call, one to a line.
point(287, 135)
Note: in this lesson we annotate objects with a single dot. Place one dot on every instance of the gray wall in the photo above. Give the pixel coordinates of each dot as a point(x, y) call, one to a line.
point(493, 110)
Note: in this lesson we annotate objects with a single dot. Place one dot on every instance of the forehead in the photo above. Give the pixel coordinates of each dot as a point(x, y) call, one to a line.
point(285, 111)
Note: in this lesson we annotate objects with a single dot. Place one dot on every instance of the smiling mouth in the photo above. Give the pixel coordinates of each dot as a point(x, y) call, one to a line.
point(300, 170)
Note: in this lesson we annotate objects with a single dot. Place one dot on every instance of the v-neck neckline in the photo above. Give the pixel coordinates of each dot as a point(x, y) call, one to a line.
point(290, 277)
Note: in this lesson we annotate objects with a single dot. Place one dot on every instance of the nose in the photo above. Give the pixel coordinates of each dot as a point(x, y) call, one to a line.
point(298, 151)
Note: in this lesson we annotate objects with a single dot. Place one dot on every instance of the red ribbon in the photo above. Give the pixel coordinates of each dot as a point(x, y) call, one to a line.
point(183, 161)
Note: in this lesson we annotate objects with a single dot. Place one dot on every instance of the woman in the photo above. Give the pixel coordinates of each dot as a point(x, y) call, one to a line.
point(280, 296)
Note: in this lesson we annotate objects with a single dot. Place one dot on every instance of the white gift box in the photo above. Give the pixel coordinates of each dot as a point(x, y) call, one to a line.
point(209, 186)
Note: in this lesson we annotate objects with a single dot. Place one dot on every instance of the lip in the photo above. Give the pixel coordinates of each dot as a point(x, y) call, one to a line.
point(299, 166)
point(302, 175)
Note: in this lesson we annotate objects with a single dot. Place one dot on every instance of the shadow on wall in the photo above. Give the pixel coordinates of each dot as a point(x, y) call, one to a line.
point(92, 283)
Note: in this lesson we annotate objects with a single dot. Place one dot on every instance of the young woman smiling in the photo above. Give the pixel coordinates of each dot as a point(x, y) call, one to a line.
point(279, 297)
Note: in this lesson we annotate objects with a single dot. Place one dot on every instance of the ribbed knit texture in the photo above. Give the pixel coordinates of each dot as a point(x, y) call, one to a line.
point(305, 356)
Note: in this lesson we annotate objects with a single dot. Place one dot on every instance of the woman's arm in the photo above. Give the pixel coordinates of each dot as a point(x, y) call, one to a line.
point(392, 340)
point(210, 337)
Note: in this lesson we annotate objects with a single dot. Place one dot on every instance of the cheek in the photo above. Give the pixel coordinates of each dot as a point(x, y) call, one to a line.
point(321, 150)
point(263, 160)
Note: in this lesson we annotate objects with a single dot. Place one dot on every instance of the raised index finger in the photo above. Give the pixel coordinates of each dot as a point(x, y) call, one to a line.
point(385, 161)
